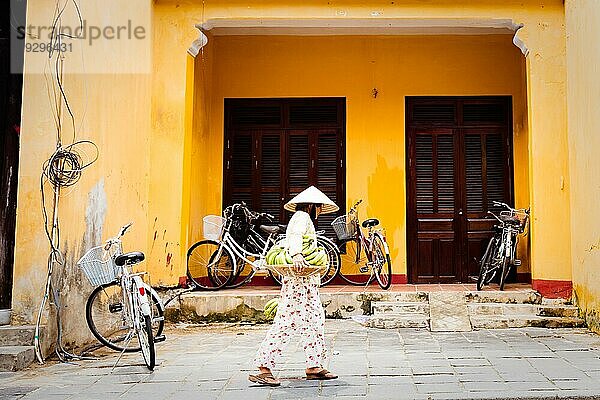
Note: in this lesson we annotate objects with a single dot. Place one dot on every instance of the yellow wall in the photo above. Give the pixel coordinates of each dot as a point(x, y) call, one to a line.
point(583, 57)
point(152, 145)
point(113, 110)
point(350, 67)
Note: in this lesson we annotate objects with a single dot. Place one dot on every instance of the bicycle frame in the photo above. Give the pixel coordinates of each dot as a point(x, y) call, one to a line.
point(231, 244)
point(366, 242)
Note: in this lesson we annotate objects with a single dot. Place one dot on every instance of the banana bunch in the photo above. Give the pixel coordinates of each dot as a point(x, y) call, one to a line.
point(313, 254)
point(271, 308)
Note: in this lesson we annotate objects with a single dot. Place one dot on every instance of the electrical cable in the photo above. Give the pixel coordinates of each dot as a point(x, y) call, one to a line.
point(63, 169)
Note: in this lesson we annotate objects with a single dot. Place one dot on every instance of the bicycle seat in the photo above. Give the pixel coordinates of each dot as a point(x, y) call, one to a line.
point(129, 258)
point(272, 229)
point(367, 223)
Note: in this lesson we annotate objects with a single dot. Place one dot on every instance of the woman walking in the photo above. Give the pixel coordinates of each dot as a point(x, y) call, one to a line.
point(299, 311)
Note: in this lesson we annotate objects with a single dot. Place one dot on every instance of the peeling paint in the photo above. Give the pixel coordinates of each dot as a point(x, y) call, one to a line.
point(169, 256)
point(95, 214)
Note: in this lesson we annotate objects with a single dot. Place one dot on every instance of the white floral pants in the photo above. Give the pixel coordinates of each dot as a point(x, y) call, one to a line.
point(299, 312)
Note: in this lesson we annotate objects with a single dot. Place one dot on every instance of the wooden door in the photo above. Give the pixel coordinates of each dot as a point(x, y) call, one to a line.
point(458, 162)
point(275, 148)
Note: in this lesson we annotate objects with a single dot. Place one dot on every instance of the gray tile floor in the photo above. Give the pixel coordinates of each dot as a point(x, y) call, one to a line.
point(214, 362)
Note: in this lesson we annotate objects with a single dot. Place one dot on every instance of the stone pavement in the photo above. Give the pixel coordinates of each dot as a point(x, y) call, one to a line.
point(213, 362)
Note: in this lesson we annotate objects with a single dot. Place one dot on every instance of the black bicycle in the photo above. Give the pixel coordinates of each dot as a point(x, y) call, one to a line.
point(500, 253)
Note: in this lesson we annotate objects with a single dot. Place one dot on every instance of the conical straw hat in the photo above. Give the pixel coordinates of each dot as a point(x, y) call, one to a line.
point(314, 196)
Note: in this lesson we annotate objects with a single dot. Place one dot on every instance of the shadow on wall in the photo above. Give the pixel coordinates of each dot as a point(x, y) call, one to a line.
point(385, 188)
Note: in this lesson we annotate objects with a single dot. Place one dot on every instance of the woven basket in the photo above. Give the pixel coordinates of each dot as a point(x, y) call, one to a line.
point(345, 226)
point(288, 270)
point(98, 266)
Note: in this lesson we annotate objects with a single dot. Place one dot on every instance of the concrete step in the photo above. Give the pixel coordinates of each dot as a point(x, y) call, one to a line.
point(522, 309)
point(15, 358)
point(508, 297)
point(395, 321)
point(521, 321)
point(16, 335)
point(396, 307)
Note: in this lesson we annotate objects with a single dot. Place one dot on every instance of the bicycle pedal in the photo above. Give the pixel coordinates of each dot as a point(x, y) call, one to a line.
point(115, 308)
point(158, 319)
point(516, 263)
point(160, 338)
point(364, 269)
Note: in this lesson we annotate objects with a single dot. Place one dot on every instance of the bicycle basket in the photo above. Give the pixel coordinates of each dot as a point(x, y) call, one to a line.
point(345, 226)
point(213, 226)
point(98, 266)
point(510, 217)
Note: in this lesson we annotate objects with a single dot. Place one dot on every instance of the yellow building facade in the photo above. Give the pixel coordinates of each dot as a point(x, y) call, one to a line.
point(161, 134)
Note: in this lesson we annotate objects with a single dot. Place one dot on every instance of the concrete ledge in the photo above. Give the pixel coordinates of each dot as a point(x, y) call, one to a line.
point(229, 306)
point(16, 335)
point(15, 358)
point(496, 296)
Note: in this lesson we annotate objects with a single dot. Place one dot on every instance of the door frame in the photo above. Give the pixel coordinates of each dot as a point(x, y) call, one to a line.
point(458, 126)
point(11, 87)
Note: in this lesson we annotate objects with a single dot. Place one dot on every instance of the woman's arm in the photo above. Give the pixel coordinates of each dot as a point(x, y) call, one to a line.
point(297, 227)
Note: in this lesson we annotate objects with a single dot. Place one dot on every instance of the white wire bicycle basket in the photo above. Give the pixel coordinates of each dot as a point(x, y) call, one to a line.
point(98, 266)
point(213, 226)
point(345, 226)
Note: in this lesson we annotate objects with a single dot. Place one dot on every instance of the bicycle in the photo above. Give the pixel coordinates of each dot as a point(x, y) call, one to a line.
point(500, 253)
point(122, 305)
point(220, 260)
point(251, 233)
point(370, 253)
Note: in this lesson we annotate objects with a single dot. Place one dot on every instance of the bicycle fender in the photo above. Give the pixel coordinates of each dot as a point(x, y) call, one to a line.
point(143, 300)
point(160, 304)
point(385, 245)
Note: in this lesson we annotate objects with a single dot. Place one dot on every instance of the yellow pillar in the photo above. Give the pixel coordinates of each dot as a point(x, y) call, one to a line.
point(548, 163)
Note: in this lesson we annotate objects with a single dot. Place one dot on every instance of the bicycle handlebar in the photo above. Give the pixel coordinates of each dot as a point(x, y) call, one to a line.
point(124, 229)
point(117, 239)
point(517, 210)
point(353, 209)
point(251, 215)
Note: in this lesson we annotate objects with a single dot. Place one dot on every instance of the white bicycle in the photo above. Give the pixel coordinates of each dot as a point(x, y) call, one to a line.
point(122, 306)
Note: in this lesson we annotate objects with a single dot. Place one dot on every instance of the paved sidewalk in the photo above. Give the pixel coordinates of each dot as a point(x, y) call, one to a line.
point(214, 362)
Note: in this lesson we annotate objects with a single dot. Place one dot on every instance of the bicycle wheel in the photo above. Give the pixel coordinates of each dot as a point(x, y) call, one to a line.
point(105, 316)
point(485, 268)
point(244, 274)
point(352, 254)
point(143, 327)
point(335, 260)
point(381, 263)
point(210, 265)
point(146, 341)
point(505, 266)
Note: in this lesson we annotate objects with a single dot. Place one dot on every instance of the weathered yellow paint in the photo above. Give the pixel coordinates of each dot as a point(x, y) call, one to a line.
point(583, 23)
point(161, 165)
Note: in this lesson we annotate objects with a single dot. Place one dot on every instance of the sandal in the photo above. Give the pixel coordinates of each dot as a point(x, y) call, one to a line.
point(322, 375)
point(265, 378)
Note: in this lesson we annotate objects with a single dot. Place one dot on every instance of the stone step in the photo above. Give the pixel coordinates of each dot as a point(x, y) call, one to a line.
point(11, 335)
point(395, 321)
point(15, 358)
point(521, 321)
point(406, 297)
point(508, 297)
point(522, 309)
point(396, 307)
